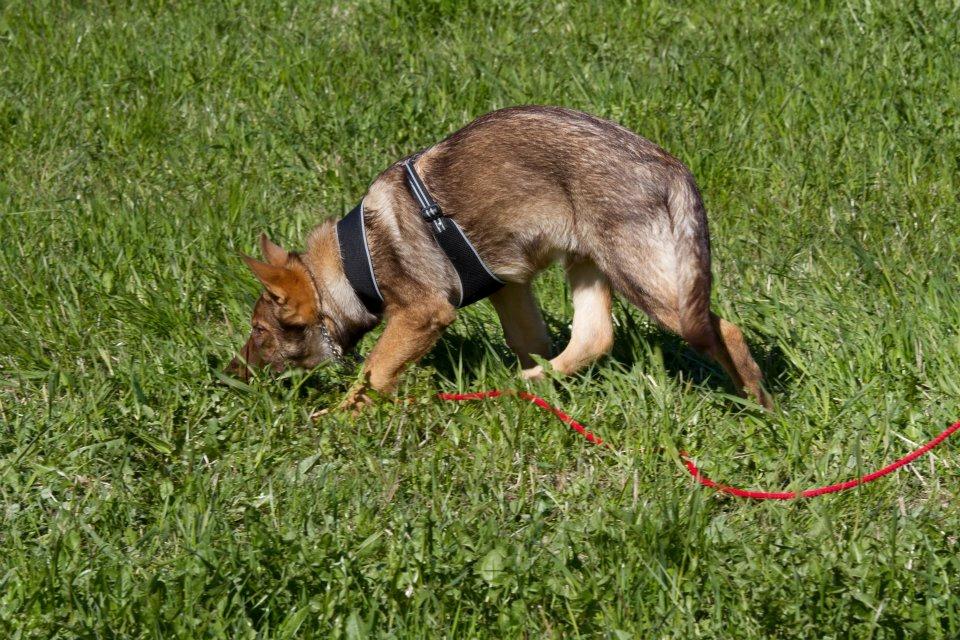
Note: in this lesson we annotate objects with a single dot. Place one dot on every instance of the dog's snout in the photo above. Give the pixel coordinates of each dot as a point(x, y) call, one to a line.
point(239, 367)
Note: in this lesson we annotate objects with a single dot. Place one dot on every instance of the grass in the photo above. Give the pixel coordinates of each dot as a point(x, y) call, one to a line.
point(144, 144)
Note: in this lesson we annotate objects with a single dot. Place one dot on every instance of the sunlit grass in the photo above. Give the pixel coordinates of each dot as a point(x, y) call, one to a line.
point(144, 145)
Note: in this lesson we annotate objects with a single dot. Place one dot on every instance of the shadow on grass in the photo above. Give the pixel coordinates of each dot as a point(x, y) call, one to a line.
point(635, 339)
point(331, 378)
point(634, 335)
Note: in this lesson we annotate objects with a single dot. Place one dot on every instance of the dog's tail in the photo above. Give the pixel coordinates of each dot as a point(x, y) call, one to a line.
point(692, 259)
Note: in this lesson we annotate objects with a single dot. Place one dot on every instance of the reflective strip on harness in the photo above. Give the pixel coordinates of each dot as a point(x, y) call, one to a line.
point(355, 256)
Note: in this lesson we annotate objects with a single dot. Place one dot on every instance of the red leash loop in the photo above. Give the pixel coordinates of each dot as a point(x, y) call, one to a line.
point(692, 468)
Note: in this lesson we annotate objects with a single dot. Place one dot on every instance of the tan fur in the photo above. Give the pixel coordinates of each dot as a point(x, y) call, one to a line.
point(275, 254)
point(523, 325)
point(347, 318)
point(291, 290)
point(529, 186)
point(592, 333)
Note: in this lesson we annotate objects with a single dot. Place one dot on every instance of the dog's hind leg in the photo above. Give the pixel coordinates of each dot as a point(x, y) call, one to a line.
point(731, 351)
point(523, 325)
point(646, 273)
point(592, 334)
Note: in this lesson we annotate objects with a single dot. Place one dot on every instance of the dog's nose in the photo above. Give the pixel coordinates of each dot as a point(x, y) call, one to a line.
point(238, 369)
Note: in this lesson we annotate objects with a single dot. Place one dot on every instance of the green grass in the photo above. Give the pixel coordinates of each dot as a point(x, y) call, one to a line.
point(143, 145)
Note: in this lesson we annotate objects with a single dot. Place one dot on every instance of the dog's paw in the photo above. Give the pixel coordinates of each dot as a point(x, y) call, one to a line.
point(533, 373)
point(765, 400)
point(356, 401)
point(319, 413)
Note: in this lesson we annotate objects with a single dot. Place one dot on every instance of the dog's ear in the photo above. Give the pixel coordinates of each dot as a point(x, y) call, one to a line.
point(274, 253)
point(289, 288)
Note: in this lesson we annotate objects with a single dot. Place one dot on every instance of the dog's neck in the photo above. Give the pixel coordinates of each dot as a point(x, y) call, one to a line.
point(338, 301)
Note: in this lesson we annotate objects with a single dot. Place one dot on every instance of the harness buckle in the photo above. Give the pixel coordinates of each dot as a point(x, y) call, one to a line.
point(433, 214)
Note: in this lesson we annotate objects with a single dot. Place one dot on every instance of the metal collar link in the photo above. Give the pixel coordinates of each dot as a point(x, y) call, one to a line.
point(335, 348)
point(328, 340)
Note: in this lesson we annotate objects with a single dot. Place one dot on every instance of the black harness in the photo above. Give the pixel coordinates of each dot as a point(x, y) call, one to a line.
point(476, 280)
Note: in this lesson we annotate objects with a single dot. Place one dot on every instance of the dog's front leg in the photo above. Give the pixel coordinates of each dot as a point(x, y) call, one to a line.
point(410, 333)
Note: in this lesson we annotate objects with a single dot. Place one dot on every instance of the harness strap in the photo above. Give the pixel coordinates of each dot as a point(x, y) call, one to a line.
point(355, 256)
point(476, 280)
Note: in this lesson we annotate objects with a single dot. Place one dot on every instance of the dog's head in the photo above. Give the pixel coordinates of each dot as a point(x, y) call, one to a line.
point(289, 328)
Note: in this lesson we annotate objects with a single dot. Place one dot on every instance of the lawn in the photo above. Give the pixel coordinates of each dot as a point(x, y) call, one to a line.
point(145, 144)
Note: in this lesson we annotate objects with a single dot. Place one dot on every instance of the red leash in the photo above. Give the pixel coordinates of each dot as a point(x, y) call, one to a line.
point(540, 402)
point(692, 468)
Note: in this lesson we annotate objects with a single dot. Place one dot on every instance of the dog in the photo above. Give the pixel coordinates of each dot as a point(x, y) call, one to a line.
point(528, 186)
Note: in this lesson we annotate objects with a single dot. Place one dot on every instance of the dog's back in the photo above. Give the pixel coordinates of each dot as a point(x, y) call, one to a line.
point(556, 181)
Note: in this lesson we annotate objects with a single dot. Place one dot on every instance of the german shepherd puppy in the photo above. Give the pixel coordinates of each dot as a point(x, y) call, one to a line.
point(529, 186)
